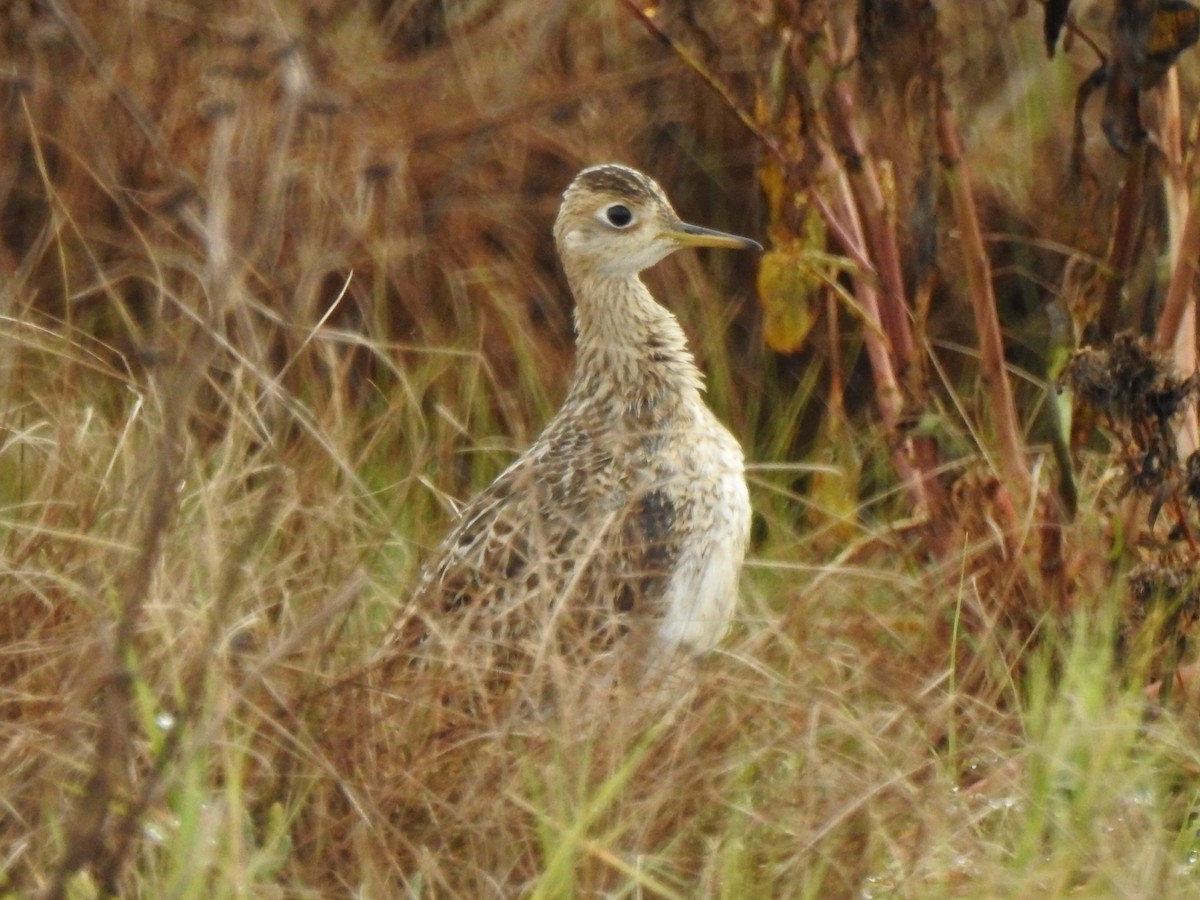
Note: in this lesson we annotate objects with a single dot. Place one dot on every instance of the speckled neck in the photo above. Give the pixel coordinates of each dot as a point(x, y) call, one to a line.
point(630, 345)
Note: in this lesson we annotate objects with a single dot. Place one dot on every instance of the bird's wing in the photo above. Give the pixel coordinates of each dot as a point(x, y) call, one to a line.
point(517, 543)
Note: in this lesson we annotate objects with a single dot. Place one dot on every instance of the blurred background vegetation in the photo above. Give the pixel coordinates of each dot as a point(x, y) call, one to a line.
point(277, 288)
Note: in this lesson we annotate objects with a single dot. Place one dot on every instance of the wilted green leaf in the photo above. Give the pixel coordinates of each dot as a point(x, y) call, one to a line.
point(791, 279)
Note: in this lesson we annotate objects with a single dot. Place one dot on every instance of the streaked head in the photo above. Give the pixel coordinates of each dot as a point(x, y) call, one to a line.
point(617, 221)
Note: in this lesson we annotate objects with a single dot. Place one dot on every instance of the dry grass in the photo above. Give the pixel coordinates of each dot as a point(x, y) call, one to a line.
point(277, 284)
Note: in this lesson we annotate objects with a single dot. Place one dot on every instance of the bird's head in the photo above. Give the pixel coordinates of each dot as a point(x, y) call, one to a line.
point(615, 221)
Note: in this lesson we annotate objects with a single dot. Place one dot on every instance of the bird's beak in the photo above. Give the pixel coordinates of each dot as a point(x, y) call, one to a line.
point(685, 235)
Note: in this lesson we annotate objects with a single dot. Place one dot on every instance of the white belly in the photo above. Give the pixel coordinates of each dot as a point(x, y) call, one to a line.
point(702, 593)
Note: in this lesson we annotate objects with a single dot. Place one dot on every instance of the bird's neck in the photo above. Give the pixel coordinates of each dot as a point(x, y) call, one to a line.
point(630, 344)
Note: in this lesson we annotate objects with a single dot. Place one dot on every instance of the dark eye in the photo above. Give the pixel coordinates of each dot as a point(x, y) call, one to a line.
point(618, 216)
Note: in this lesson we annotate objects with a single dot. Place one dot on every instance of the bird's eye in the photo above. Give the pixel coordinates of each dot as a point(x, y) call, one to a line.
point(618, 215)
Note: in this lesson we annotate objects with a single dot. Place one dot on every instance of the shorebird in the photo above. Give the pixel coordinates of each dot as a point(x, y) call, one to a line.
point(626, 522)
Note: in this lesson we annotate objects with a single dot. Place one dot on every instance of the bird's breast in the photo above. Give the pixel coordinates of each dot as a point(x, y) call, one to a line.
point(700, 471)
point(664, 497)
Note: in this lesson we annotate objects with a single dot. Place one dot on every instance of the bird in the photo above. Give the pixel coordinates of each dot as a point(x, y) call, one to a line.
point(623, 527)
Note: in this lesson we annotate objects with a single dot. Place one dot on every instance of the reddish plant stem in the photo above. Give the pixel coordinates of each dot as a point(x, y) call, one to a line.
point(1179, 294)
point(879, 229)
point(888, 396)
point(879, 233)
point(983, 303)
point(1176, 331)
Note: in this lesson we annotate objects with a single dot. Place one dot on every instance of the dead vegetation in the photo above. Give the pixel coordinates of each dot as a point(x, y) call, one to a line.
point(276, 285)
